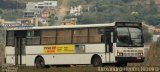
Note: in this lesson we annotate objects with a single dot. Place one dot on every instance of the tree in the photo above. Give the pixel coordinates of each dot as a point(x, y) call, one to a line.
point(147, 35)
point(1, 12)
point(91, 18)
point(152, 17)
point(12, 14)
point(74, 3)
point(153, 7)
point(87, 19)
point(126, 1)
point(53, 18)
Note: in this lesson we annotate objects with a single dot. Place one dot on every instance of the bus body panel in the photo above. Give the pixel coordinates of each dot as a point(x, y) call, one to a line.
point(9, 50)
point(95, 48)
point(10, 55)
point(66, 58)
point(31, 44)
point(30, 60)
point(111, 55)
point(61, 59)
point(10, 59)
point(88, 48)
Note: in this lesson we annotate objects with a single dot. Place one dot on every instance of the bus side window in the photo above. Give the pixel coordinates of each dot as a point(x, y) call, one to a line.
point(10, 38)
point(95, 36)
point(48, 37)
point(33, 37)
point(80, 35)
point(64, 36)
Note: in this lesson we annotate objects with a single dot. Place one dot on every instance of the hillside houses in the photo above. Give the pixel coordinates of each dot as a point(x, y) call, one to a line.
point(76, 11)
point(40, 10)
point(41, 5)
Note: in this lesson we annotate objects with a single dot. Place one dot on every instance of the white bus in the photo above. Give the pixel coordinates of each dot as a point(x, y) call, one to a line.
point(96, 44)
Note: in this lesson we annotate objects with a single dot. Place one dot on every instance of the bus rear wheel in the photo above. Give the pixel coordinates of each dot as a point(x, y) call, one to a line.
point(39, 62)
point(96, 61)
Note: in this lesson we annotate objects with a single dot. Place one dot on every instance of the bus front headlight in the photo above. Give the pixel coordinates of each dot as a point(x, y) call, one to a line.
point(119, 54)
point(140, 54)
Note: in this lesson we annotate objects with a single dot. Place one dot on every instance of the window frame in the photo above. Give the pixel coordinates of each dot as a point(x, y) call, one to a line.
point(129, 32)
point(72, 36)
point(8, 37)
point(34, 37)
point(49, 36)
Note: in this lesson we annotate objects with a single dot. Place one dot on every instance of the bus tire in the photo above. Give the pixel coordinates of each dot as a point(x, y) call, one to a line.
point(39, 62)
point(96, 61)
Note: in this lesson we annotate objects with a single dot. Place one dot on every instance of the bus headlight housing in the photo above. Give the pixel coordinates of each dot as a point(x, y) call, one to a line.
point(140, 54)
point(119, 53)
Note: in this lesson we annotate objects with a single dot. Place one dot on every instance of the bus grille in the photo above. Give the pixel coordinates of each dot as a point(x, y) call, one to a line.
point(130, 53)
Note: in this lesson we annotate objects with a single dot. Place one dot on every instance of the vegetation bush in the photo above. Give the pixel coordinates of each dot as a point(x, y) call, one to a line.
point(117, 10)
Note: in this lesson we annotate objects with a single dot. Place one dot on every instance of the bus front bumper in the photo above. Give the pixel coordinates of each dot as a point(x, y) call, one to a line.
point(130, 59)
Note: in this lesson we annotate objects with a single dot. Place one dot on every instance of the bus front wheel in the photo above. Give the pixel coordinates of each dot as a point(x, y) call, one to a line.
point(96, 61)
point(39, 62)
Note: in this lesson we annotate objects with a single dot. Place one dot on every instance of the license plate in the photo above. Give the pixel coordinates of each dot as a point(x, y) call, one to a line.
point(138, 57)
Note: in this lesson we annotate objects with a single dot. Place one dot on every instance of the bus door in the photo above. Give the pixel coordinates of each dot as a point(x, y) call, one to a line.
point(109, 46)
point(20, 51)
point(20, 42)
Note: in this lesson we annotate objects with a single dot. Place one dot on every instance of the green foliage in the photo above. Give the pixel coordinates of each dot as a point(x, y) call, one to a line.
point(1, 11)
point(120, 10)
point(152, 17)
point(53, 19)
point(126, 1)
point(153, 7)
point(153, 20)
point(147, 35)
point(4, 4)
point(74, 3)
point(87, 19)
point(92, 18)
point(12, 15)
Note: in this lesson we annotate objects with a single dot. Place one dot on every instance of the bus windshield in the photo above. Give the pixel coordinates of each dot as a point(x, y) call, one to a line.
point(129, 36)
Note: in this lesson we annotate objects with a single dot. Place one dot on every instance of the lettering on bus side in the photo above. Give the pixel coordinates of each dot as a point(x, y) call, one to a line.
point(59, 49)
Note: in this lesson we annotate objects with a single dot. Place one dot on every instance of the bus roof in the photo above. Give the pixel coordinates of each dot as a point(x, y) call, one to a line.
point(64, 26)
point(118, 24)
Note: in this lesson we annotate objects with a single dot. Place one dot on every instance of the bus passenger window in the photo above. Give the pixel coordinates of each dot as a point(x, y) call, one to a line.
point(80, 35)
point(94, 36)
point(33, 37)
point(64, 36)
point(48, 36)
point(10, 38)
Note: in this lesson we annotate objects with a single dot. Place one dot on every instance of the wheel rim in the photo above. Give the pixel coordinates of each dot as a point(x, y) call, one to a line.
point(96, 61)
point(39, 63)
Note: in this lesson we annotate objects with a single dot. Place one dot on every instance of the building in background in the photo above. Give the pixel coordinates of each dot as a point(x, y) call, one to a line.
point(29, 21)
point(40, 11)
point(76, 11)
point(72, 21)
point(31, 6)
